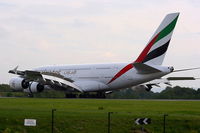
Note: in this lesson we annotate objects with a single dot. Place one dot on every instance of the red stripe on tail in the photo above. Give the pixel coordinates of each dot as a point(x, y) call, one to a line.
point(139, 59)
point(146, 49)
point(124, 70)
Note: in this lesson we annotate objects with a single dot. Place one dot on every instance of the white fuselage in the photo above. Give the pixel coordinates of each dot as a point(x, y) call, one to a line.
point(96, 77)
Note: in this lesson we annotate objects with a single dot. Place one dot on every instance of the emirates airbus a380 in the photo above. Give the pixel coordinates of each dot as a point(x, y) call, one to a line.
point(146, 70)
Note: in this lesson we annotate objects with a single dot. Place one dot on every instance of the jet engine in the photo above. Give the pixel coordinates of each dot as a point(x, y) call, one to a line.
point(36, 87)
point(146, 87)
point(18, 83)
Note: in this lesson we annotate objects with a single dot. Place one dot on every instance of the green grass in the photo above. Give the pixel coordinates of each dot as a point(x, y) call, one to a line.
point(90, 115)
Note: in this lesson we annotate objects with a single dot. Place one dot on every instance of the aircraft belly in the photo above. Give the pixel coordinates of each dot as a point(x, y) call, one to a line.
point(89, 86)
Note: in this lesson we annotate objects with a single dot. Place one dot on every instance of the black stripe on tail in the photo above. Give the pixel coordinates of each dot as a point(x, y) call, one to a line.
point(157, 52)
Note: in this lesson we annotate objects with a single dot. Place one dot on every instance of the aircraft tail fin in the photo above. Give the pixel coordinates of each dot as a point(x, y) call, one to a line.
point(156, 48)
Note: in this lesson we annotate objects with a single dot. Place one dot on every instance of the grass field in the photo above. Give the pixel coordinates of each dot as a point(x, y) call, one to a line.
point(90, 115)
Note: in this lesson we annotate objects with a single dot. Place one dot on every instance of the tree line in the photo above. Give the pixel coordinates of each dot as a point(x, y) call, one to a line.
point(176, 92)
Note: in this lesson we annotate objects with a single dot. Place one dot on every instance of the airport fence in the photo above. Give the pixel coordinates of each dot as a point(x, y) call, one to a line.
point(100, 121)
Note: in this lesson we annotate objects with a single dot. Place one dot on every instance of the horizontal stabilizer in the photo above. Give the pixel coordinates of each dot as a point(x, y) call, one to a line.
point(145, 69)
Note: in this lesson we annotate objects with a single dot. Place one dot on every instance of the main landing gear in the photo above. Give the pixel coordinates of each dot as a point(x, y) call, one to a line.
point(30, 95)
point(86, 95)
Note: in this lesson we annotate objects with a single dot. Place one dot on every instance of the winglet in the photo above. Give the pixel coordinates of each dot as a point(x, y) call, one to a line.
point(14, 71)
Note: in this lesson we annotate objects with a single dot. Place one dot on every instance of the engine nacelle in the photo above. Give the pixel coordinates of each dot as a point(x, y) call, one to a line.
point(36, 87)
point(18, 83)
point(146, 87)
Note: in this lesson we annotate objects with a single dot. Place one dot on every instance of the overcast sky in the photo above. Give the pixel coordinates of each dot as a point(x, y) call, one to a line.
point(46, 32)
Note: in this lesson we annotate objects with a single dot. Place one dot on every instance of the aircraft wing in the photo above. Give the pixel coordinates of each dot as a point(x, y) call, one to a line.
point(53, 81)
point(166, 81)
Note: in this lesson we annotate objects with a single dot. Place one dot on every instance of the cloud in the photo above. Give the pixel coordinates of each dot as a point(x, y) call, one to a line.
point(109, 55)
point(35, 33)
